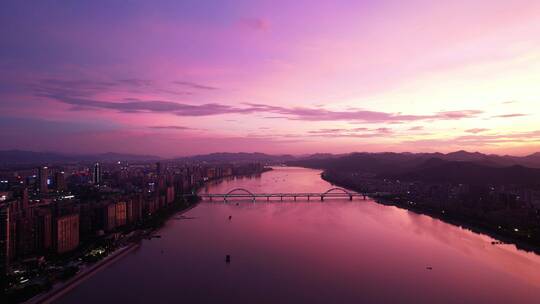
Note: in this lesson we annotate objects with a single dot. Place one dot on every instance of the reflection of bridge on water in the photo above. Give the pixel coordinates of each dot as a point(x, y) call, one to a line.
point(244, 193)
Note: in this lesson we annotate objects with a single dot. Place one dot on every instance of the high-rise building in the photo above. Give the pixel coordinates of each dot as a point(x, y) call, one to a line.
point(96, 174)
point(60, 181)
point(137, 205)
point(129, 211)
point(170, 194)
point(66, 233)
point(160, 183)
point(121, 214)
point(43, 176)
point(25, 198)
point(109, 217)
point(25, 237)
point(43, 230)
point(158, 169)
point(4, 240)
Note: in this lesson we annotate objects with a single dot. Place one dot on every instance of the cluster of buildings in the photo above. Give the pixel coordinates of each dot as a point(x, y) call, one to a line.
point(51, 210)
point(504, 206)
point(497, 194)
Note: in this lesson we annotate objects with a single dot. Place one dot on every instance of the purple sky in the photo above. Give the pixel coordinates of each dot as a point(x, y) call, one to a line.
point(184, 77)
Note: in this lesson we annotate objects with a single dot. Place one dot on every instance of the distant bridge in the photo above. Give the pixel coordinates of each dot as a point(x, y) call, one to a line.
point(244, 193)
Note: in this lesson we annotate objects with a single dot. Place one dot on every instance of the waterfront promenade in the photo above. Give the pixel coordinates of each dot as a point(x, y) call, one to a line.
point(60, 289)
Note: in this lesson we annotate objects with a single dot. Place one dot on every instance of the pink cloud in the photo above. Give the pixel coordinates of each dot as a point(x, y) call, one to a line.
point(255, 23)
point(476, 130)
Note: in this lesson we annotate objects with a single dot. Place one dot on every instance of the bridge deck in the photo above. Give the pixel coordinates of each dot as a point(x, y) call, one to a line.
point(279, 194)
point(244, 193)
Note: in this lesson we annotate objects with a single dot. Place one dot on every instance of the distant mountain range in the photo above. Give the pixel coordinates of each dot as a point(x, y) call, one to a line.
point(379, 161)
point(237, 158)
point(11, 157)
point(14, 157)
point(456, 167)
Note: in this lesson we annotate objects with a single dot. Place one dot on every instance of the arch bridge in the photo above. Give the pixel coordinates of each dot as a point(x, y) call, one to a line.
point(242, 193)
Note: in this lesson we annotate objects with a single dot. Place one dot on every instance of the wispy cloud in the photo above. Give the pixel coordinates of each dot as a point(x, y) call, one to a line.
point(476, 130)
point(152, 106)
point(258, 24)
point(171, 127)
point(88, 87)
point(76, 88)
point(319, 114)
point(510, 115)
point(352, 133)
point(194, 85)
point(452, 115)
point(136, 82)
point(481, 139)
point(328, 131)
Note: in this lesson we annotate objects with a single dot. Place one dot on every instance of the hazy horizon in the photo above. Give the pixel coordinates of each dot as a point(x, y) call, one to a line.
point(261, 152)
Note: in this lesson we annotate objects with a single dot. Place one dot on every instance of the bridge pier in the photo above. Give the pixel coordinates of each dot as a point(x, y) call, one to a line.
point(295, 198)
point(281, 198)
point(322, 198)
point(268, 198)
point(364, 197)
point(308, 197)
point(350, 197)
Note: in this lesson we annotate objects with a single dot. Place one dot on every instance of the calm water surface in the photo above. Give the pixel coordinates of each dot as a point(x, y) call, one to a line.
point(335, 251)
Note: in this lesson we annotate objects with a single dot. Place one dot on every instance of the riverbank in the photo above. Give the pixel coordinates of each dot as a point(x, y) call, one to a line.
point(61, 289)
point(497, 233)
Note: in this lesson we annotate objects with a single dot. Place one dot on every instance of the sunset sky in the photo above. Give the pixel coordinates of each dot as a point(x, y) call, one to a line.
point(175, 78)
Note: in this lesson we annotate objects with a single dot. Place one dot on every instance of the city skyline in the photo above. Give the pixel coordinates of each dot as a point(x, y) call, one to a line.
point(175, 79)
point(269, 151)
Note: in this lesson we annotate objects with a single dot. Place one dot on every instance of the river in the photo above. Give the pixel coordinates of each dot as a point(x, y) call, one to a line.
point(336, 251)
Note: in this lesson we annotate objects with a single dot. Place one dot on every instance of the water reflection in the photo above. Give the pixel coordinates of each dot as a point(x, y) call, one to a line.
point(335, 251)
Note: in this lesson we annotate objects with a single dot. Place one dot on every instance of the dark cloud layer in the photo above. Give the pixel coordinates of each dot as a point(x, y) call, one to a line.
point(88, 88)
point(81, 95)
point(151, 106)
point(296, 113)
